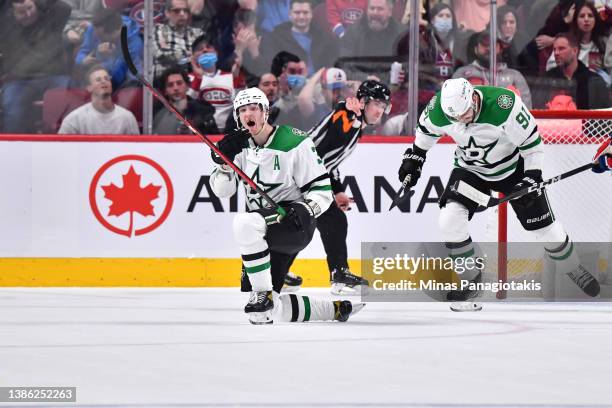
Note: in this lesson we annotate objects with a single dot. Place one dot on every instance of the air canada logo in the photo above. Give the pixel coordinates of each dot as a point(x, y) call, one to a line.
point(131, 195)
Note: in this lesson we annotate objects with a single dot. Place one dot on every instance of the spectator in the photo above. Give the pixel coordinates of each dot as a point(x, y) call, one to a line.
point(211, 16)
point(291, 80)
point(101, 115)
point(272, 13)
point(316, 48)
point(512, 40)
point(175, 84)
point(172, 44)
point(102, 45)
point(80, 18)
point(210, 84)
point(374, 35)
point(592, 37)
point(239, 47)
point(478, 71)
point(268, 83)
point(320, 95)
point(33, 59)
point(442, 50)
point(344, 13)
point(572, 77)
point(474, 15)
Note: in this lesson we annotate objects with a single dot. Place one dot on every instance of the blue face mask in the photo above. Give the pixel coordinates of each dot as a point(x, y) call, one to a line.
point(296, 81)
point(208, 60)
point(443, 25)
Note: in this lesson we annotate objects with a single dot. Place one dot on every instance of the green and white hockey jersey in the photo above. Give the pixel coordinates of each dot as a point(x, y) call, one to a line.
point(287, 168)
point(490, 146)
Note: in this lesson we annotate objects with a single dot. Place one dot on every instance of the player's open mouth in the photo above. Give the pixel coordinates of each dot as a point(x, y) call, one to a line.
point(250, 123)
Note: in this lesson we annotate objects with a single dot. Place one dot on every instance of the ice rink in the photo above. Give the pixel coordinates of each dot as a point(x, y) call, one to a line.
point(195, 348)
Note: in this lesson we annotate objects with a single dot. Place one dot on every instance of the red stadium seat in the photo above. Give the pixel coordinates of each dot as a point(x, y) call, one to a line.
point(59, 102)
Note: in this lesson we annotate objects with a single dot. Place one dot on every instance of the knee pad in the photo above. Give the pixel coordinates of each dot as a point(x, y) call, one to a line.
point(552, 233)
point(249, 228)
point(453, 222)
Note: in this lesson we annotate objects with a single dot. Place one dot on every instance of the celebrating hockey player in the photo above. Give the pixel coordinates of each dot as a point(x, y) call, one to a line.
point(603, 158)
point(499, 149)
point(284, 163)
point(335, 138)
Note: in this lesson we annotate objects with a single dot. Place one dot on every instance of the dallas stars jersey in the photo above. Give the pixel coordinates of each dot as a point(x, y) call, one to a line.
point(287, 168)
point(491, 145)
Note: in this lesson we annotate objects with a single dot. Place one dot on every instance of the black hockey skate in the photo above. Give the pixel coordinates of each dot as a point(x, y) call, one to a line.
point(292, 282)
point(343, 282)
point(585, 281)
point(465, 294)
point(260, 307)
point(343, 309)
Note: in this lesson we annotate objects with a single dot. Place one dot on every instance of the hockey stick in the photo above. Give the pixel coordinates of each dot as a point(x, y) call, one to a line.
point(485, 200)
point(128, 59)
point(399, 197)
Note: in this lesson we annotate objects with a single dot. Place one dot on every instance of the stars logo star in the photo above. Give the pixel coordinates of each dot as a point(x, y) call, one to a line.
point(252, 196)
point(474, 154)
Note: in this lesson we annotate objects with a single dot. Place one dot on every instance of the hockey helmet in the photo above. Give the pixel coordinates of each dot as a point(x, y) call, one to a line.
point(456, 97)
point(371, 89)
point(249, 96)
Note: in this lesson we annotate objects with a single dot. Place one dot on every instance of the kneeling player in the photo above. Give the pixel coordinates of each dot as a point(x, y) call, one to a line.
point(498, 148)
point(283, 161)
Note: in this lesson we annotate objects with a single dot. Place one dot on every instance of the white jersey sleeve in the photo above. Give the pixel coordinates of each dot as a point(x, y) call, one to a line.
point(429, 128)
point(223, 181)
point(311, 177)
point(522, 130)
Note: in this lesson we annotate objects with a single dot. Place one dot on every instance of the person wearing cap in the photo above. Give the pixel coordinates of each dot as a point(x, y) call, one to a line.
point(477, 73)
point(335, 138)
point(499, 149)
point(321, 94)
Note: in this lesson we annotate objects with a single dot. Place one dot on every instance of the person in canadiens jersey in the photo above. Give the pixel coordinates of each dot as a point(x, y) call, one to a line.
point(498, 148)
point(284, 163)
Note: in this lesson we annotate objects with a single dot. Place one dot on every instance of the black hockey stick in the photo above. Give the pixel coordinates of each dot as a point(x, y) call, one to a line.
point(128, 59)
point(399, 197)
point(485, 200)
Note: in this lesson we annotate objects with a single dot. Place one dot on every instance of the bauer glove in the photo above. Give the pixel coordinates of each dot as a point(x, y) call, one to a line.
point(412, 164)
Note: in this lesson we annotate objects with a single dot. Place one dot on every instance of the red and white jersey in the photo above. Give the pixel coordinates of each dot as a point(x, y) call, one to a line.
point(219, 90)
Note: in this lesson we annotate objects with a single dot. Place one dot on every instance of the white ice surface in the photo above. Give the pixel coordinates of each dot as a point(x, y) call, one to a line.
point(195, 348)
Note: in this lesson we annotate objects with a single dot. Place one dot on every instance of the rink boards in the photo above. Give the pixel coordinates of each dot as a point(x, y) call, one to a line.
point(138, 211)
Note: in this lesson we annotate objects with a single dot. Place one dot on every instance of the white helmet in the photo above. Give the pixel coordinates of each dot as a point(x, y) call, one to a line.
point(456, 97)
point(249, 96)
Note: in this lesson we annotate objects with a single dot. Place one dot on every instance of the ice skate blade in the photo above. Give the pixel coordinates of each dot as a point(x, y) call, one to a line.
point(290, 289)
point(466, 307)
point(258, 318)
point(357, 308)
point(341, 289)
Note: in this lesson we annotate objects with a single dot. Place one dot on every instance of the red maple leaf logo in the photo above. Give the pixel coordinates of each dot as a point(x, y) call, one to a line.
point(131, 197)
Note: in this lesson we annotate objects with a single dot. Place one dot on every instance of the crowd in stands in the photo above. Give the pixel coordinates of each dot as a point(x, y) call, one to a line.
point(62, 69)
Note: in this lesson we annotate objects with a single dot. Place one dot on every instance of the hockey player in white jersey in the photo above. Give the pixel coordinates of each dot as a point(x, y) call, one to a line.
point(283, 161)
point(498, 148)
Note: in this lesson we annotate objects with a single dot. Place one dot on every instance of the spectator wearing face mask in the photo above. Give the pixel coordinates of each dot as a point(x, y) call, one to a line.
point(291, 72)
point(209, 83)
point(442, 49)
point(477, 73)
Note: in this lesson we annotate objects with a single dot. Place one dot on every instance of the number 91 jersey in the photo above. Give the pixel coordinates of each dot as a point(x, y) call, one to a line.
point(502, 131)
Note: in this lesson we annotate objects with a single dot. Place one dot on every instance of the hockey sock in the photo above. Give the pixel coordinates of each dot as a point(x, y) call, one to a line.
point(463, 255)
point(249, 231)
point(304, 308)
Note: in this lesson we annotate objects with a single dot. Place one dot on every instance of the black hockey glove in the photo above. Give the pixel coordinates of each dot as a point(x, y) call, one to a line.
point(232, 143)
point(414, 157)
point(299, 215)
point(530, 177)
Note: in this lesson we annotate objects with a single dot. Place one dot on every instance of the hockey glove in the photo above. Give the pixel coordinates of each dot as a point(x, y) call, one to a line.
point(530, 177)
point(414, 157)
point(232, 143)
point(603, 158)
point(299, 216)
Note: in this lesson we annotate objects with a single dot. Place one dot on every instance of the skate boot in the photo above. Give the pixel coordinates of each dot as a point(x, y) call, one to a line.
point(343, 309)
point(260, 307)
point(465, 307)
point(465, 294)
point(585, 281)
point(343, 282)
point(292, 283)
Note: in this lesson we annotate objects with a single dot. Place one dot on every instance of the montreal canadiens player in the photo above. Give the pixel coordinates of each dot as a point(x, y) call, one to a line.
point(499, 149)
point(283, 161)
